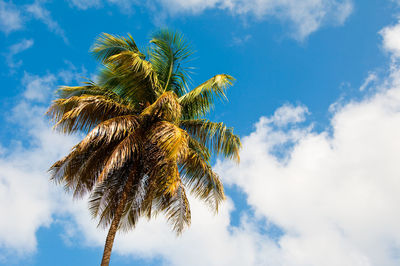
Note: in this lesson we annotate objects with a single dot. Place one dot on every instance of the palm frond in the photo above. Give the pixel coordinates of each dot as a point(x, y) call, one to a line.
point(216, 136)
point(172, 140)
point(114, 129)
point(108, 45)
point(128, 64)
point(84, 112)
point(166, 107)
point(80, 169)
point(89, 88)
point(168, 55)
point(204, 183)
point(127, 150)
point(106, 195)
point(200, 149)
point(200, 100)
point(178, 210)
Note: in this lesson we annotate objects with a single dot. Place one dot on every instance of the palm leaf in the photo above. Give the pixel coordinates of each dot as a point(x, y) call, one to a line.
point(168, 55)
point(198, 101)
point(178, 210)
point(84, 112)
point(166, 107)
point(108, 45)
point(215, 136)
point(197, 174)
point(171, 140)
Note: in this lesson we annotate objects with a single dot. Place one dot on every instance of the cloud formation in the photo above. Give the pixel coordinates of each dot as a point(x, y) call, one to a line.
point(39, 12)
point(16, 49)
point(26, 195)
point(13, 17)
point(10, 17)
point(304, 17)
point(334, 194)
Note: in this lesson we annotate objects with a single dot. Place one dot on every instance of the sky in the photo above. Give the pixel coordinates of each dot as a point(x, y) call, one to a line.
point(316, 103)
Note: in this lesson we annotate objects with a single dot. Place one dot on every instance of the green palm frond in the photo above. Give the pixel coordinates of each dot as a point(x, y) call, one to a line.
point(132, 88)
point(168, 54)
point(108, 45)
point(200, 149)
point(216, 136)
point(130, 65)
point(199, 101)
point(89, 88)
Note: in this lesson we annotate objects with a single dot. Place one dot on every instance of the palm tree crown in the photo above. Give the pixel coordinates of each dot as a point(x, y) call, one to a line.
point(147, 139)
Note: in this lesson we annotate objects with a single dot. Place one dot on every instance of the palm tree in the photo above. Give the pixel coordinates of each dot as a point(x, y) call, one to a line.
point(147, 139)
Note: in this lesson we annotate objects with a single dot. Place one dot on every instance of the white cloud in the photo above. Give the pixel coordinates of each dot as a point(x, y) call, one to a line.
point(372, 77)
point(10, 17)
point(39, 12)
point(336, 197)
point(288, 114)
point(391, 39)
point(38, 88)
point(85, 4)
point(16, 49)
point(236, 40)
point(304, 17)
point(27, 199)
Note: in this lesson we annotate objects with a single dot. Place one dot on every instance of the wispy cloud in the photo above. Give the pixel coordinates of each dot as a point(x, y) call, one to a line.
point(13, 17)
point(16, 49)
point(236, 40)
point(10, 17)
point(303, 17)
point(85, 4)
point(38, 11)
point(372, 77)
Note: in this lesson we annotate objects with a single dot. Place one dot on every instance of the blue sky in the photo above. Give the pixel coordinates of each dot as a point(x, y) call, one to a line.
point(316, 102)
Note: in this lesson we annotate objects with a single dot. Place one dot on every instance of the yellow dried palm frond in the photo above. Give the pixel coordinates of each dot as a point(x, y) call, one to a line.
point(166, 107)
point(178, 210)
point(204, 183)
point(113, 129)
point(84, 112)
point(127, 150)
point(172, 140)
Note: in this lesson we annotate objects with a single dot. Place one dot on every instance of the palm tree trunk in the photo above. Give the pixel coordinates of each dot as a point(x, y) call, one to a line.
point(115, 223)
